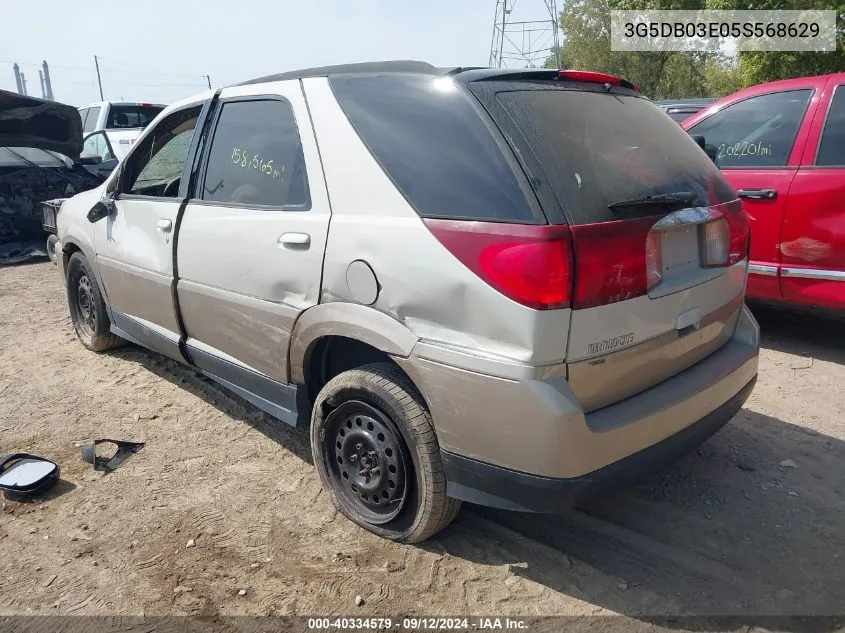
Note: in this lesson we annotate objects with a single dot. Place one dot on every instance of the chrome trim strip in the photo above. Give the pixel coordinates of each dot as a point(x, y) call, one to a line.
point(760, 269)
point(814, 273)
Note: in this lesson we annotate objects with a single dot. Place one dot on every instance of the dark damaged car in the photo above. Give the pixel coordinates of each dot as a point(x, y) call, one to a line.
point(40, 145)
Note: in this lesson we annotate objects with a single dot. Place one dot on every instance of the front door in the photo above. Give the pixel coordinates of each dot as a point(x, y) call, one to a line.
point(252, 237)
point(758, 142)
point(813, 240)
point(134, 244)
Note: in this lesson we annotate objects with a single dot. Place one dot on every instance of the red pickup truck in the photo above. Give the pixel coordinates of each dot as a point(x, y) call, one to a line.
point(782, 146)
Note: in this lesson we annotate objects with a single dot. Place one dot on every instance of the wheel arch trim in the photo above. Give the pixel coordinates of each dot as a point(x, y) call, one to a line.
point(350, 320)
point(72, 244)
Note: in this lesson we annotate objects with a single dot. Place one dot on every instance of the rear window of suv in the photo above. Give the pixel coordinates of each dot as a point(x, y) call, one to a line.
point(132, 116)
point(430, 139)
point(598, 148)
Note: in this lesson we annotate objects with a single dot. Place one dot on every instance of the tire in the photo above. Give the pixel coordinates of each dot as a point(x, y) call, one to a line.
point(377, 455)
point(52, 240)
point(87, 308)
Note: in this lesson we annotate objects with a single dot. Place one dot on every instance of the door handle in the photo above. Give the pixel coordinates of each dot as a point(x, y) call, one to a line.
point(165, 226)
point(758, 194)
point(295, 239)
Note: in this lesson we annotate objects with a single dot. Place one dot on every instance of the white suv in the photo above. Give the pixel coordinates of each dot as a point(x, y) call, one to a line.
point(122, 122)
point(515, 288)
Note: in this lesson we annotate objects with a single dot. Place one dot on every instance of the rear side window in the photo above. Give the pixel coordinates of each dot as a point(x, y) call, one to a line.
point(256, 157)
point(131, 116)
point(600, 150)
point(832, 146)
point(756, 132)
point(431, 141)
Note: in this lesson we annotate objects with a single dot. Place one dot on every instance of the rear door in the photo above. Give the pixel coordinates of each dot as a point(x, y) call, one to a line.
point(813, 237)
point(252, 237)
point(759, 141)
point(645, 306)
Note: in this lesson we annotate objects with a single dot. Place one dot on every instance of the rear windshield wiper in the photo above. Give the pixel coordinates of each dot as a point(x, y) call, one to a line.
point(665, 199)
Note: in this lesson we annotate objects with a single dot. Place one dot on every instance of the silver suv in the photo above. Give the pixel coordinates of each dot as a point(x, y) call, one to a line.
point(514, 288)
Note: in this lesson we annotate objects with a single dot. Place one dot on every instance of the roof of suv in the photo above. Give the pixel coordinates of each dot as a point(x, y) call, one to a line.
point(408, 67)
point(397, 66)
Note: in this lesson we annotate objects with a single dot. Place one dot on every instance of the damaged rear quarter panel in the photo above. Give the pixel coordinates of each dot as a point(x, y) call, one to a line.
point(422, 285)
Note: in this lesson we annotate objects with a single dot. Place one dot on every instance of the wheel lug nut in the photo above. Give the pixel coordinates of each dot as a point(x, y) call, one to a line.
point(353, 458)
point(359, 446)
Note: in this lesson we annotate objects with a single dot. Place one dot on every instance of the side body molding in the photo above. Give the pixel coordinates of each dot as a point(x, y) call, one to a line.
point(350, 320)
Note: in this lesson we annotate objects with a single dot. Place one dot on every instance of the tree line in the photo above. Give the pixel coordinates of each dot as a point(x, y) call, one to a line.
point(585, 26)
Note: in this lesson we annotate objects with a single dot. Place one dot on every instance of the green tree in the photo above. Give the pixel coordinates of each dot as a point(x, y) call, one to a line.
point(760, 67)
point(585, 26)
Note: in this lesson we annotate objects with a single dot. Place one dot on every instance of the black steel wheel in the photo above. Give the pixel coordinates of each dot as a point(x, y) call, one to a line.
point(87, 307)
point(377, 455)
point(365, 456)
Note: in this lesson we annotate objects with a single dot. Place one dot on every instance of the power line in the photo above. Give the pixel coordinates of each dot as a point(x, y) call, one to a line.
point(105, 69)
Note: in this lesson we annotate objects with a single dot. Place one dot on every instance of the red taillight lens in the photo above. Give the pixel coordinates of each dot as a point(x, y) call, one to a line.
point(740, 230)
point(612, 261)
point(530, 264)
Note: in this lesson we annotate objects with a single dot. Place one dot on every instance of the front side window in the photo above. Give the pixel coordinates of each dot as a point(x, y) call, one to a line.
point(757, 132)
point(155, 167)
point(832, 146)
point(97, 145)
point(256, 157)
point(91, 120)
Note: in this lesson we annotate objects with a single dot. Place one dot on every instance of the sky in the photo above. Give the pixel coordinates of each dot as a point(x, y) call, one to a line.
point(160, 51)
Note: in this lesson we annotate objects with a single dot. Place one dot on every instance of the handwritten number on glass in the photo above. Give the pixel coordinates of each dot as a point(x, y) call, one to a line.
point(246, 160)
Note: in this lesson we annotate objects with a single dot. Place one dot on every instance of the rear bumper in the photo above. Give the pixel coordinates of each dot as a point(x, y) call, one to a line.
point(489, 485)
point(515, 423)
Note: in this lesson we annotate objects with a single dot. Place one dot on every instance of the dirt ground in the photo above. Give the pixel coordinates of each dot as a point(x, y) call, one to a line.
point(734, 528)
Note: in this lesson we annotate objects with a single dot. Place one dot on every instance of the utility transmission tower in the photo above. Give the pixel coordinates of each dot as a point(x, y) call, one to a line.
point(525, 34)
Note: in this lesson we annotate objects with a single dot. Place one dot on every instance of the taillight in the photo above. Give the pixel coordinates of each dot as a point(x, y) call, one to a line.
point(740, 228)
point(725, 240)
point(530, 264)
point(616, 261)
point(715, 242)
point(653, 260)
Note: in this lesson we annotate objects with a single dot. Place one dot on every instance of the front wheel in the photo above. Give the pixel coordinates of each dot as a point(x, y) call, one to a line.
point(87, 307)
point(377, 455)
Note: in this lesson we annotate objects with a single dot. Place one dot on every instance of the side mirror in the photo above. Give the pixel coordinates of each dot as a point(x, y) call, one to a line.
point(90, 160)
point(99, 211)
point(698, 138)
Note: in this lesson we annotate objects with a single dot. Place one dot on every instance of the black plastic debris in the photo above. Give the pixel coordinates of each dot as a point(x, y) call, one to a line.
point(23, 476)
point(123, 452)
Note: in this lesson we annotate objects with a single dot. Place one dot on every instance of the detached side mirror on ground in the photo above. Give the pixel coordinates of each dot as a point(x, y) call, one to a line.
point(99, 211)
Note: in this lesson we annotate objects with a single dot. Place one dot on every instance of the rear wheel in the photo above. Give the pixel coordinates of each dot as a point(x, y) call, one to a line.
point(377, 454)
point(87, 307)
